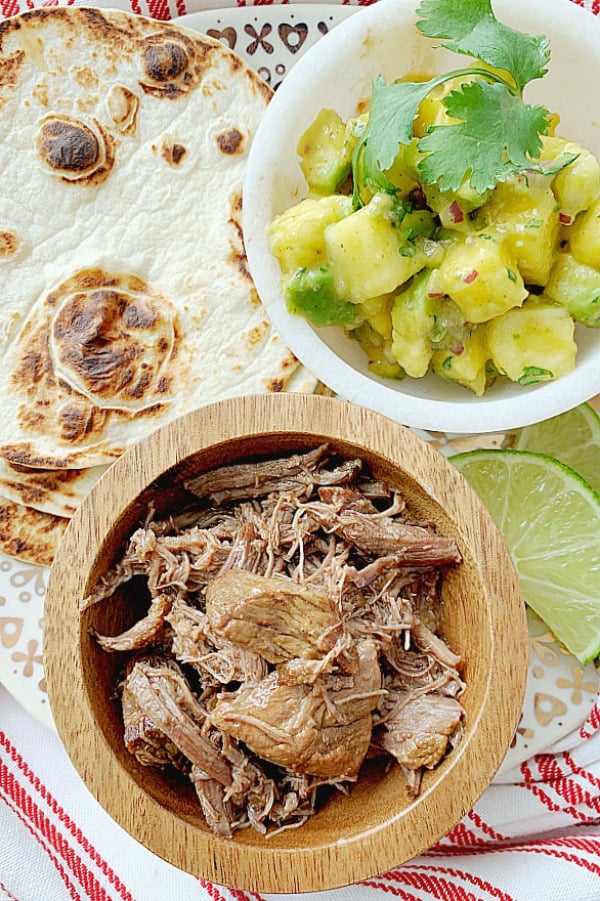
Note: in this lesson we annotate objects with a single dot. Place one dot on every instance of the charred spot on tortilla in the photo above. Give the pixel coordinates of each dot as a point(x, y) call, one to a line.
point(97, 345)
point(122, 106)
point(238, 249)
point(112, 342)
point(24, 454)
point(55, 491)
point(76, 421)
point(74, 150)
point(164, 60)
point(9, 244)
point(172, 151)
point(9, 68)
point(173, 64)
point(28, 534)
point(231, 141)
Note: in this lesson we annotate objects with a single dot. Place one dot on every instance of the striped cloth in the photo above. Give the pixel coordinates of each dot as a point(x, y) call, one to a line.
point(533, 836)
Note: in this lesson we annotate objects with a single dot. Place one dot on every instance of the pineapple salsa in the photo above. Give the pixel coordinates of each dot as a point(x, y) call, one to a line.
point(477, 275)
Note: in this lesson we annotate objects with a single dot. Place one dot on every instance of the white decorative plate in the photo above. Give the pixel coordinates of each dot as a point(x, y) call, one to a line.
point(560, 692)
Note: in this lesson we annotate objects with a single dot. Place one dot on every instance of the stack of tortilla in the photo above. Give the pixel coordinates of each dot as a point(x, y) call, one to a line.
point(125, 300)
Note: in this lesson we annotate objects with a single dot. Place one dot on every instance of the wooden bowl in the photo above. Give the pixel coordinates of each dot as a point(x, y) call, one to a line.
point(377, 825)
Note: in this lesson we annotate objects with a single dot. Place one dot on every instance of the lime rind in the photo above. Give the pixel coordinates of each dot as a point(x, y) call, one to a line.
point(550, 518)
point(572, 438)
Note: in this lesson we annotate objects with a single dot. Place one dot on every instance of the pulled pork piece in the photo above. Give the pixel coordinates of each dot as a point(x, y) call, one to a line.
point(406, 543)
point(435, 646)
point(218, 811)
point(297, 473)
point(418, 730)
point(189, 626)
point(142, 737)
point(318, 729)
point(274, 617)
point(217, 661)
point(147, 631)
point(160, 691)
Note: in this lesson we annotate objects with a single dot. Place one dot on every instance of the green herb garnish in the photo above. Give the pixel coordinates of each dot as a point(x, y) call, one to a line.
point(497, 135)
point(533, 374)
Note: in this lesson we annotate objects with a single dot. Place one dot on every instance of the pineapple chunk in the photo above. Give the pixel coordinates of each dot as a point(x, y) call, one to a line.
point(577, 186)
point(297, 235)
point(577, 287)
point(584, 237)
point(533, 344)
point(325, 151)
point(401, 177)
point(432, 111)
point(412, 326)
point(379, 352)
point(453, 207)
point(523, 210)
point(366, 255)
point(377, 312)
point(481, 277)
point(466, 365)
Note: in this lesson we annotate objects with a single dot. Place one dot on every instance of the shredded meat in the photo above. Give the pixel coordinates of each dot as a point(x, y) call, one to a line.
point(277, 618)
point(145, 632)
point(292, 631)
point(417, 731)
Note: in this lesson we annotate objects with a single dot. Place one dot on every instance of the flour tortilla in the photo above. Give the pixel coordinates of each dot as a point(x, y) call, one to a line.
point(57, 492)
point(124, 295)
point(29, 535)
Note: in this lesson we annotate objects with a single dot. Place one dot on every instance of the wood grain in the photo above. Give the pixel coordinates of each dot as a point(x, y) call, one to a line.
point(377, 826)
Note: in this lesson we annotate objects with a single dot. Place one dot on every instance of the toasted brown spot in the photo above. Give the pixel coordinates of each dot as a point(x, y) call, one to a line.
point(110, 342)
point(24, 454)
point(85, 76)
point(29, 534)
point(9, 68)
point(173, 63)
point(172, 151)
point(164, 60)
point(122, 105)
point(64, 145)
point(230, 141)
point(76, 421)
point(72, 150)
point(238, 249)
point(35, 487)
point(8, 244)
point(255, 335)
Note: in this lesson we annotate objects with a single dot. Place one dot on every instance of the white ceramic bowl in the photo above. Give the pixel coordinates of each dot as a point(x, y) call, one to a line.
point(337, 73)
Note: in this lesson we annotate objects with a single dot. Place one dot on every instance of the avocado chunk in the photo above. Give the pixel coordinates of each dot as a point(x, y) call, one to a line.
point(311, 293)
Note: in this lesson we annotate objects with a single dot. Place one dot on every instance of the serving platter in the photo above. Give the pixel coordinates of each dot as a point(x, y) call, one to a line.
point(560, 692)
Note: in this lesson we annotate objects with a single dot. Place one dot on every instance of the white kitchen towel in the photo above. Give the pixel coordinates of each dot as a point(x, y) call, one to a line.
point(533, 836)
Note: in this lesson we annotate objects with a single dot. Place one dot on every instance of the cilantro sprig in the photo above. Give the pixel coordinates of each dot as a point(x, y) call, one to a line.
point(496, 133)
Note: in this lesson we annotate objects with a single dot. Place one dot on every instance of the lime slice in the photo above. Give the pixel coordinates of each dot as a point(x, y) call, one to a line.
point(550, 519)
point(573, 438)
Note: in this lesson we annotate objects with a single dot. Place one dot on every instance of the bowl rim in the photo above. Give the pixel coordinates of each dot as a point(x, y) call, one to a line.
point(262, 867)
point(454, 409)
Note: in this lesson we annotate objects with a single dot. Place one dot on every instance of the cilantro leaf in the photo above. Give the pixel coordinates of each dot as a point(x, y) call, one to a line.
point(390, 124)
point(495, 134)
point(498, 135)
point(471, 28)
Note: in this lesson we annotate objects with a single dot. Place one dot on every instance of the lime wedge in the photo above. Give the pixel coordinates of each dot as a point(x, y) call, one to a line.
point(573, 438)
point(550, 519)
